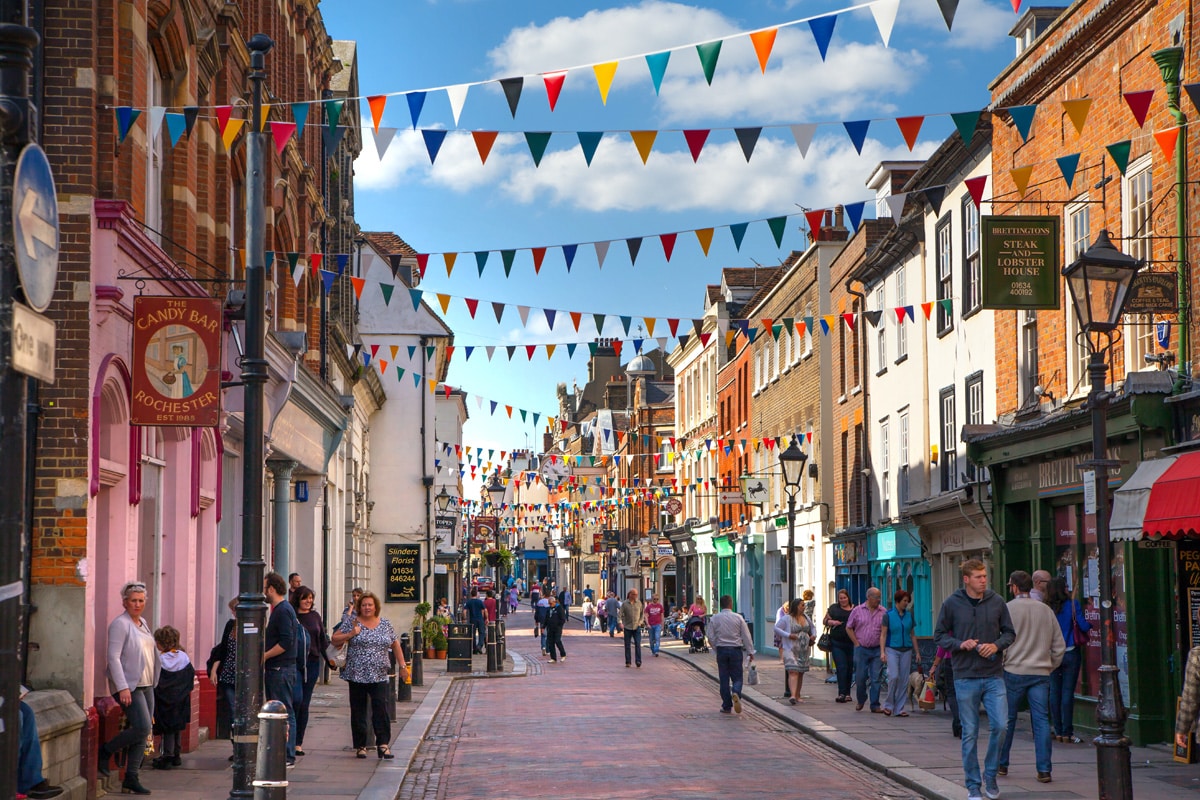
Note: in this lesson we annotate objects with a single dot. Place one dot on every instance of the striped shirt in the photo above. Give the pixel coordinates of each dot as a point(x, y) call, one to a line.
point(866, 624)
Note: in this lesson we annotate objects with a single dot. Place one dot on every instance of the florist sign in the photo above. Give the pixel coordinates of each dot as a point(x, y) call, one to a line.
point(176, 361)
point(1020, 262)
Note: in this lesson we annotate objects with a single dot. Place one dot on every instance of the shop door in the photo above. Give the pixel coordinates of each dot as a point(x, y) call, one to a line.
point(727, 578)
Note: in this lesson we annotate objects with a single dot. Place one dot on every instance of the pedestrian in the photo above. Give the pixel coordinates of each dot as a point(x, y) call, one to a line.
point(30, 782)
point(476, 612)
point(556, 618)
point(863, 628)
point(942, 673)
point(514, 599)
point(172, 696)
point(1036, 652)
point(897, 642)
point(443, 608)
point(313, 658)
point(535, 594)
point(795, 633)
point(282, 652)
point(781, 615)
point(1075, 627)
point(222, 662)
point(588, 593)
point(1189, 701)
point(540, 617)
point(368, 641)
point(730, 637)
point(294, 584)
point(612, 608)
point(654, 623)
point(842, 646)
point(810, 603)
point(489, 605)
point(1041, 585)
point(698, 609)
point(133, 671)
point(589, 614)
point(348, 614)
point(975, 626)
point(633, 614)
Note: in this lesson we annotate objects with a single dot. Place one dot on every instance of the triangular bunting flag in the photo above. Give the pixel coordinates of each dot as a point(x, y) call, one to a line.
point(537, 141)
point(935, 195)
point(569, 251)
point(822, 31)
point(777, 225)
point(910, 128)
point(634, 246)
point(433, 141)
point(599, 318)
point(1120, 154)
point(927, 308)
point(444, 302)
point(604, 78)
point(1022, 117)
point(378, 103)
point(512, 92)
point(415, 296)
point(457, 95)
point(383, 137)
point(895, 203)
point(472, 307)
point(1139, 104)
point(327, 278)
point(601, 253)
point(507, 256)
point(849, 320)
point(539, 255)
point(873, 317)
point(884, 12)
point(190, 115)
point(281, 132)
point(176, 126)
point(763, 41)
point(554, 84)
point(1077, 111)
point(857, 131)
point(704, 236)
point(588, 140)
point(1020, 177)
point(498, 310)
point(416, 101)
point(738, 230)
point(695, 142)
point(803, 134)
point(1067, 166)
point(668, 245)
point(948, 8)
point(231, 131)
point(815, 218)
point(333, 112)
point(657, 63)
point(450, 259)
point(1167, 140)
point(643, 140)
point(854, 213)
point(483, 143)
point(576, 316)
point(299, 116)
point(966, 121)
point(975, 187)
point(747, 138)
point(709, 52)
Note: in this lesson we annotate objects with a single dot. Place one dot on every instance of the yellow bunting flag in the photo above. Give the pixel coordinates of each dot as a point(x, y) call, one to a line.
point(263, 114)
point(1020, 177)
point(604, 78)
point(643, 140)
point(1077, 111)
point(444, 302)
point(450, 258)
point(550, 351)
point(432, 385)
point(705, 237)
point(232, 129)
point(763, 42)
point(650, 323)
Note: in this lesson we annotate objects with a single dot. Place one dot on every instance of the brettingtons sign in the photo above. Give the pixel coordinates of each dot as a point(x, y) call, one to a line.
point(1020, 266)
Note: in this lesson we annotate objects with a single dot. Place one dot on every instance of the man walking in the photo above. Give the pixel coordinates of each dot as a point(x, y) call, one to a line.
point(730, 637)
point(632, 616)
point(279, 660)
point(863, 627)
point(556, 618)
point(975, 626)
point(1037, 651)
point(476, 612)
point(654, 621)
point(1041, 582)
point(612, 608)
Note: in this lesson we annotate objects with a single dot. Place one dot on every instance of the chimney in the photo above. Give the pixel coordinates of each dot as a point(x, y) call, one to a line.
point(833, 228)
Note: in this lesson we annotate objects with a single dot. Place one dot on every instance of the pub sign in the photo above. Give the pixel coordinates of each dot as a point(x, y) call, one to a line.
point(176, 361)
point(1020, 266)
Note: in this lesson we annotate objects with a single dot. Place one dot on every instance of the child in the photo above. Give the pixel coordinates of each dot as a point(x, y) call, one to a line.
point(172, 696)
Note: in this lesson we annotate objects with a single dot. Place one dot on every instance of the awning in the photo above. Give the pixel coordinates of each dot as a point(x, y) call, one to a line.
point(534, 555)
point(1160, 500)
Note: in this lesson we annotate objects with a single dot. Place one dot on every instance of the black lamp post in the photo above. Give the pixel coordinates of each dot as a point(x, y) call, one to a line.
point(791, 461)
point(1099, 283)
point(495, 493)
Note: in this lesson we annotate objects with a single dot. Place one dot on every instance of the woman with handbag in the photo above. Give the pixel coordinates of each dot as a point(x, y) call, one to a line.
point(796, 632)
point(318, 643)
point(843, 648)
point(369, 639)
point(1075, 629)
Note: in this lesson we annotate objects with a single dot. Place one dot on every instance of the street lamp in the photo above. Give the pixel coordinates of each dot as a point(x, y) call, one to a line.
point(791, 461)
point(495, 493)
point(444, 499)
point(1099, 282)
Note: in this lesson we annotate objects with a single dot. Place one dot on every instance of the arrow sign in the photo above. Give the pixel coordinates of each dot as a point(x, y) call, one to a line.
point(35, 219)
point(35, 227)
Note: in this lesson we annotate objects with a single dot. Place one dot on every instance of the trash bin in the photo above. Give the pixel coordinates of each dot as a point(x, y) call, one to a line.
point(458, 648)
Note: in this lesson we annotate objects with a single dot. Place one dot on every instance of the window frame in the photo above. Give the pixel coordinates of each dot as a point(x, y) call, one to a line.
point(944, 260)
point(948, 435)
point(972, 262)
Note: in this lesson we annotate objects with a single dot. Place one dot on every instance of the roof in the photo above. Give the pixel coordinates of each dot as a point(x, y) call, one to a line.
point(660, 392)
point(747, 276)
point(712, 295)
point(345, 52)
point(389, 243)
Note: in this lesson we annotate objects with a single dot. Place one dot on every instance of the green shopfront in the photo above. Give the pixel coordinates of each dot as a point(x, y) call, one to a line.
point(1040, 522)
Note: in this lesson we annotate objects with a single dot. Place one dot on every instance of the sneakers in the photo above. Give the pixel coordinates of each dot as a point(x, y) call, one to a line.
point(43, 790)
point(973, 796)
point(991, 791)
point(737, 703)
point(1001, 770)
point(1043, 777)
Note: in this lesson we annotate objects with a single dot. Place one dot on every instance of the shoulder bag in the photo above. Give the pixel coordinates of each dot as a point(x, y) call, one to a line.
point(825, 641)
point(1079, 636)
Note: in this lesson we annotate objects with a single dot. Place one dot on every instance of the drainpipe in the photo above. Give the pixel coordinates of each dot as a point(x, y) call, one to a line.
point(1170, 61)
point(426, 480)
point(862, 378)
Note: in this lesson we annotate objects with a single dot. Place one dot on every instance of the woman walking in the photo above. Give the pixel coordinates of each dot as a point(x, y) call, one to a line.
point(222, 662)
point(318, 640)
point(1062, 680)
point(898, 640)
point(843, 648)
point(368, 639)
point(589, 615)
point(133, 670)
point(795, 633)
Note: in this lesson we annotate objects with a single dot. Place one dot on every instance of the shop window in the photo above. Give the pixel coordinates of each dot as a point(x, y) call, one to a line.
point(902, 463)
point(1028, 364)
point(973, 396)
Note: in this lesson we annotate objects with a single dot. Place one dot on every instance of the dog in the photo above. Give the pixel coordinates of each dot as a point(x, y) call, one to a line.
point(916, 688)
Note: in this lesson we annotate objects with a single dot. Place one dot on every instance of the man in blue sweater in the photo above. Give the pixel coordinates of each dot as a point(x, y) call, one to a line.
point(974, 624)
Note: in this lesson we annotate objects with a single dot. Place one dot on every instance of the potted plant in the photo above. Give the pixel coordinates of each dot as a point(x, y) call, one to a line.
point(439, 637)
point(431, 632)
point(501, 557)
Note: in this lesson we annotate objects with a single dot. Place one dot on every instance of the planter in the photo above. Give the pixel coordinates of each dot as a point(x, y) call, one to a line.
point(439, 654)
point(430, 653)
point(492, 559)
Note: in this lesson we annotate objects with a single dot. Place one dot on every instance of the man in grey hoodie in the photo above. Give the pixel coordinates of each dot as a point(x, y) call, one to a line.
point(974, 624)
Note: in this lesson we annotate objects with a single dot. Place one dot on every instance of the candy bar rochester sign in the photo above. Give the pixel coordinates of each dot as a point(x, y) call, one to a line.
point(176, 361)
point(1020, 262)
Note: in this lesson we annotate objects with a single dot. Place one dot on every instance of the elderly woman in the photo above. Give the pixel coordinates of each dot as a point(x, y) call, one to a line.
point(133, 669)
point(368, 638)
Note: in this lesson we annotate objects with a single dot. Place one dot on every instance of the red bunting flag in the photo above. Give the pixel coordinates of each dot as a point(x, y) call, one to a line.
point(422, 263)
point(576, 316)
point(282, 131)
point(529, 348)
point(815, 218)
point(695, 142)
point(1139, 104)
point(928, 309)
point(554, 84)
point(483, 143)
point(975, 187)
point(358, 286)
point(899, 313)
point(1167, 140)
point(377, 103)
point(314, 260)
point(472, 305)
point(673, 324)
point(910, 127)
point(849, 320)
point(539, 253)
point(668, 243)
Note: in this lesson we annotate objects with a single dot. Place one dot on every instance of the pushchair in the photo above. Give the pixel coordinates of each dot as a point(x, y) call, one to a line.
point(693, 634)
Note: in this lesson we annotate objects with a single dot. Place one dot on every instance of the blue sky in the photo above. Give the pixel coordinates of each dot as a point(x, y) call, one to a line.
point(462, 206)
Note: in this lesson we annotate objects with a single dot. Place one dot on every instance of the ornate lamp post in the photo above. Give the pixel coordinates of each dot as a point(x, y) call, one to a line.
point(791, 461)
point(1099, 283)
point(495, 493)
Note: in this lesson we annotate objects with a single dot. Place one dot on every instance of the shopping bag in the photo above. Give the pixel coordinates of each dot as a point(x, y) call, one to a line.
point(752, 676)
point(927, 700)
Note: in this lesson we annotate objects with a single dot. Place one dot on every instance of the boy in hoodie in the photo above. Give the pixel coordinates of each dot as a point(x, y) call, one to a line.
point(975, 626)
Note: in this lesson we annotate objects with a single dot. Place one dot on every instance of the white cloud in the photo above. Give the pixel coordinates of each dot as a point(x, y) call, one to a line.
point(978, 24)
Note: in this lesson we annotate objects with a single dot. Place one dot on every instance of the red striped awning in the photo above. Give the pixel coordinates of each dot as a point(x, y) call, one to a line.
point(1160, 500)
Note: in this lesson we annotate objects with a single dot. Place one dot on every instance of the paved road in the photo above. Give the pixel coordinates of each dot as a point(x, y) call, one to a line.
point(590, 728)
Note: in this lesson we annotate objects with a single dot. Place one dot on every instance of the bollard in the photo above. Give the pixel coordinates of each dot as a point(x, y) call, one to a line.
point(391, 686)
point(491, 648)
point(501, 642)
point(271, 771)
point(418, 650)
point(458, 647)
point(404, 685)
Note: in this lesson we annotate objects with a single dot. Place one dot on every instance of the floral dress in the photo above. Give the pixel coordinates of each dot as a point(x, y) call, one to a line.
point(367, 653)
point(797, 652)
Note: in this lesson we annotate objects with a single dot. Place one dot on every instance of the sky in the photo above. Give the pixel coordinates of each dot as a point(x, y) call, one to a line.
point(460, 205)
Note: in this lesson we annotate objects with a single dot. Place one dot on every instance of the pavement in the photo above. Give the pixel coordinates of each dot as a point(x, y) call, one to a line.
point(589, 695)
point(920, 752)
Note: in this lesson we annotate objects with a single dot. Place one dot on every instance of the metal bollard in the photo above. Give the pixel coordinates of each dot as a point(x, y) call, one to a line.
point(418, 650)
point(491, 648)
point(501, 642)
point(403, 685)
point(271, 770)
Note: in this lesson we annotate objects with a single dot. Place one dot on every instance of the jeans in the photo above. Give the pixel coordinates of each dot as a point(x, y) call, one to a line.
point(603, 622)
point(1062, 693)
point(655, 638)
point(554, 641)
point(899, 664)
point(843, 662)
point(1036, 688)
point(140, 713)
point(479, 634)
point(867, 667)
point(545, 636)
point(29, 753)
point(589, 622)
point(376, 694)
point(612, 625)
point(279, 684)
point(971, 692)
point(634, 636)
point(313, 669)
point(729, 668)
